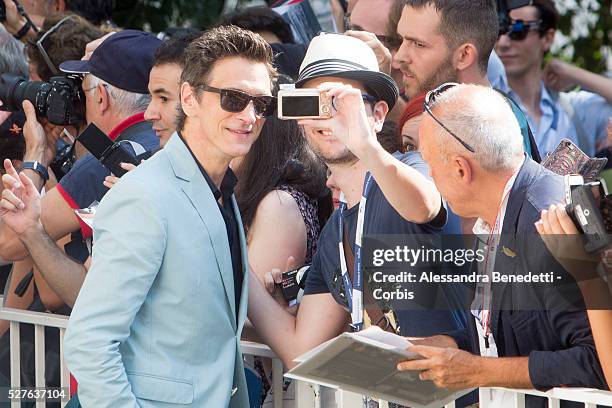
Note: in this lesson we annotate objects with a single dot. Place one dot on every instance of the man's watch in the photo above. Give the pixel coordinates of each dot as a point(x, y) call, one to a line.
point(37, 167)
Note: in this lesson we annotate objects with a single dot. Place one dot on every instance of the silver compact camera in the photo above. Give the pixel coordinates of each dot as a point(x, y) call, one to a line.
point(303, 103)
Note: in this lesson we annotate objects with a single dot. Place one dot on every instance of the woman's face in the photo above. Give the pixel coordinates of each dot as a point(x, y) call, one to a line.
point(410, 133)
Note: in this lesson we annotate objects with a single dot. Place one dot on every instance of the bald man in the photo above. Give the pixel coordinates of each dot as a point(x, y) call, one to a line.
point(473, 145)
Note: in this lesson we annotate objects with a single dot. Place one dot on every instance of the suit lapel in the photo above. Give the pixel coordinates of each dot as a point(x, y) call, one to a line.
point(509, 252)
point(245, 266)
point(201, 197)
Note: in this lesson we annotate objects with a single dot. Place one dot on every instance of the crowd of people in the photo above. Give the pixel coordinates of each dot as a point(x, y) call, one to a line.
point(441, 120)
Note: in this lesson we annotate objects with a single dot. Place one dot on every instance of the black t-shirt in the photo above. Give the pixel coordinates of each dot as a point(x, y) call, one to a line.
point(380, 218)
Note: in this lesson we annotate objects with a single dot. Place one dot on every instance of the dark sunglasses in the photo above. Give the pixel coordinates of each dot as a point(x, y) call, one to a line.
point(430, 99)
point(519, 29)
point(236, 101)
point(41, 48)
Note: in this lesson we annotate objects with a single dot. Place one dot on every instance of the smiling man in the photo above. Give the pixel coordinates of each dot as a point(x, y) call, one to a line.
point(164, 84)
point(172, 253)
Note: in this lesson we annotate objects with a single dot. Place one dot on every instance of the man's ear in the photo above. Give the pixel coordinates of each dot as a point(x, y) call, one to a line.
point(103, 98)
point(547, 40)
point(189, 100)
point(379, 113)
point(462, 170)
point(465, 56)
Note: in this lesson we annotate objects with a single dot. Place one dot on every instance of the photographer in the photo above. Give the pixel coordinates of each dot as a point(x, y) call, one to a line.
point(115, 100)
point(554, 225)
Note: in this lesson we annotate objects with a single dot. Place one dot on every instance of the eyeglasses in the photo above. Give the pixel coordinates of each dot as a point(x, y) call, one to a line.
point(235, 101)
point(41, 49)
point(430, 99)
point(519, 29)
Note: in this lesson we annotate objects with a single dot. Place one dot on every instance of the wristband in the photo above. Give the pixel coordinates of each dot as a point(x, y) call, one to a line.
point(37, 167)
point(23, 31)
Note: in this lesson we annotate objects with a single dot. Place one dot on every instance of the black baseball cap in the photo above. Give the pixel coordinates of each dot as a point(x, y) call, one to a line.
point(124, 60)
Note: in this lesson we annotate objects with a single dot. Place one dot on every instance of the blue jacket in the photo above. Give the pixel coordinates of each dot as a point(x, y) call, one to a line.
point(155, 322)
point(557, 338)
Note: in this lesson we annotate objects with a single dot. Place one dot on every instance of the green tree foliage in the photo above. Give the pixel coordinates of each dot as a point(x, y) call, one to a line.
point(157, 15)
point(585, 33)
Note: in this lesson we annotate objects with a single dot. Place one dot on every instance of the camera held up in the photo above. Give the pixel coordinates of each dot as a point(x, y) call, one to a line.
point(61, 100)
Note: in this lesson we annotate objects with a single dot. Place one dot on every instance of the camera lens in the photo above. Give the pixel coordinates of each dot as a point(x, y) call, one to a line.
point(60, 100)
point(14, 90)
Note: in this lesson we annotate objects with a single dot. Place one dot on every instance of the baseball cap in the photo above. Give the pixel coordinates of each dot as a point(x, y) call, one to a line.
point(124, 60)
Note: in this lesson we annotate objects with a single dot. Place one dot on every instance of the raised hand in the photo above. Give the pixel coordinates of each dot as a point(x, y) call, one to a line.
point(349, 123)
point(20, 205)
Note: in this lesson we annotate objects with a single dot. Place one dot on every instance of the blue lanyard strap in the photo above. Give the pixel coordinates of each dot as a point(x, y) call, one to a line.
point(354, 292)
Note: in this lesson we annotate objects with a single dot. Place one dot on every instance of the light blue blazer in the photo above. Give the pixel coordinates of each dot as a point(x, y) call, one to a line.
point(155, 322)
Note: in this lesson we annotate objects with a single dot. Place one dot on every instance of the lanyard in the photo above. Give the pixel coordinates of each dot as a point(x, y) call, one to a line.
point(492, 244)
point(354, 291)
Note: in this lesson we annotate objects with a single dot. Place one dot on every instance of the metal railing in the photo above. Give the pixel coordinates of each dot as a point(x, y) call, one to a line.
point(40, 321)
point(306, 395)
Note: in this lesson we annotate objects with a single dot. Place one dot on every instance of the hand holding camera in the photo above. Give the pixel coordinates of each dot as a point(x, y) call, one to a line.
point(349, 121)
point(273, 283)
point(38, 146)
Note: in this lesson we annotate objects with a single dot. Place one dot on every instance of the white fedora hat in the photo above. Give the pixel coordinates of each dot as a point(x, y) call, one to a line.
point(342, 56)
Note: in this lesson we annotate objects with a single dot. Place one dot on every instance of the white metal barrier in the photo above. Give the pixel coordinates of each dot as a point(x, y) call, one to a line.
point(306, 395)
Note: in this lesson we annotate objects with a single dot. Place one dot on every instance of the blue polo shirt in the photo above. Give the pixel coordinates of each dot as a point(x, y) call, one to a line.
point(83, 183)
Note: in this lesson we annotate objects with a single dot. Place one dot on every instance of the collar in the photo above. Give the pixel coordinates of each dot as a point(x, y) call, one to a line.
point(481, 227)
point(132, 120)
point(227, 184)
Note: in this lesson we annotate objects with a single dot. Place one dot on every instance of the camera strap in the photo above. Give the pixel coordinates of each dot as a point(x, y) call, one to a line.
point(354, 290)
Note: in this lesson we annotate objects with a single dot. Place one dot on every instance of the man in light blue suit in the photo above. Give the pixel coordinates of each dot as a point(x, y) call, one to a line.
point(159, 318)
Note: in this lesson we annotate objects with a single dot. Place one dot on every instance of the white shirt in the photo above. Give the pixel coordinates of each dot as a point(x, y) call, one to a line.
point(481, 303)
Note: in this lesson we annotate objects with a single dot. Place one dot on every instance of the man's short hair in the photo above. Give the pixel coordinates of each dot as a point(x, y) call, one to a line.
point(172, 51)
point(462, 21)
point(12, 59)
point(395, 41)
point(258, 19)
point(66, 42)
point(216, 44)
point(123, 102)
point(547, 12)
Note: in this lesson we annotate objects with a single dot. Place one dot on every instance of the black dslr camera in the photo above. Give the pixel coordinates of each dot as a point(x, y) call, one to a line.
point(589, 206)
point(61, 100)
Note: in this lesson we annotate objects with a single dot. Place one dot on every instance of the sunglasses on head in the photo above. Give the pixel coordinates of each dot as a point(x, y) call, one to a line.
point(430, 99)
point(519, 29)
point(235, 101)
point(41, 48)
